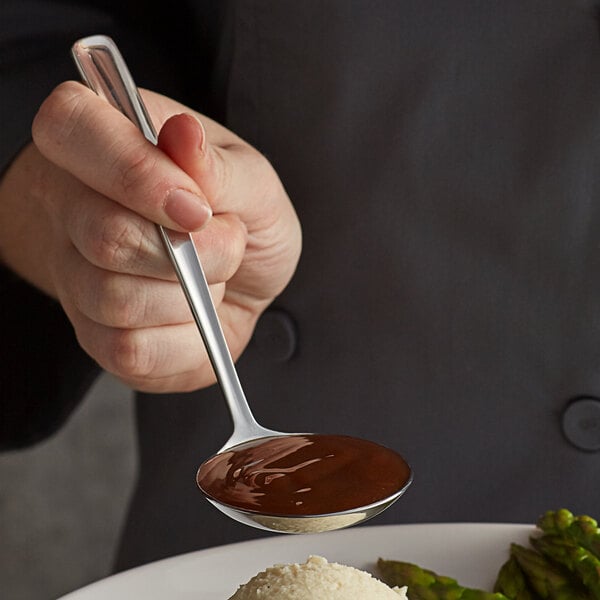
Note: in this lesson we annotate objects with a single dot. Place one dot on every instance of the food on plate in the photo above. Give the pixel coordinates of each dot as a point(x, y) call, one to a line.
point(543, 578)
point(316, 579)
point(427, 585)
point(563, 563)
point(581, 530)
point(511, 581)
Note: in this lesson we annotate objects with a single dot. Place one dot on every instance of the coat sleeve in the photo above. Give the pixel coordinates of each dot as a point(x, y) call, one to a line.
point(43, 372)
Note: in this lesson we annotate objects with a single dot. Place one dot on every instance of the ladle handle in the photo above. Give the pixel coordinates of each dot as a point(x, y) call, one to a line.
point(104, 71)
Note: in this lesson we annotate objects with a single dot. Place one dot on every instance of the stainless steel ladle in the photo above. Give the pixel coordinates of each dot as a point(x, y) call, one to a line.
point(105, 72)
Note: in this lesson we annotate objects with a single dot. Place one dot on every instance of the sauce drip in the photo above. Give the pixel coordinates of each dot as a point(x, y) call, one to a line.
point(305, 474)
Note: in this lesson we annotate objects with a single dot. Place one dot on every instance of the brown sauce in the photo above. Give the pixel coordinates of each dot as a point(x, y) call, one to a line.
point(311, 474)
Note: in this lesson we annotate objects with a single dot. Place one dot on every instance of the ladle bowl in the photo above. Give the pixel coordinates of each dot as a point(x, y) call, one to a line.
point(326, 502)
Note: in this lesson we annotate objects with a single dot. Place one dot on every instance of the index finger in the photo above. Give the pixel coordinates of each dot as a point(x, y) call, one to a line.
point(83, 134)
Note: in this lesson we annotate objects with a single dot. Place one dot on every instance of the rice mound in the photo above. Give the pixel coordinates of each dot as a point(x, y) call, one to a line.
point(316, 579)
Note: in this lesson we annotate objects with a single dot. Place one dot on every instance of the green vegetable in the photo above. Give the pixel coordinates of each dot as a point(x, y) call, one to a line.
point(581, 530)
point(576, 559)
point(548, 579)
point(512, 582)
point(428, 585)
point(563, 563)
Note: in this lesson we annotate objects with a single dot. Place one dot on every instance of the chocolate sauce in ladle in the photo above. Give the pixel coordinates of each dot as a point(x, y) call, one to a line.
point(310, 474)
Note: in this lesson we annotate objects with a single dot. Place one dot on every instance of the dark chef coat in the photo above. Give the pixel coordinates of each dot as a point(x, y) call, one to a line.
point(444, 160)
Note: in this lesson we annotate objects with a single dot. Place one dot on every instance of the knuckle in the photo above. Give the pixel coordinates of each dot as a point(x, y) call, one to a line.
point(119, 305)
point(58, 115)
point(267, 176)
point(131, 355)
point(118, 244)
point(40, 186)
point(222, 247)
point(261, 162)
point(134, 167)
point(256, 161)
point(266, 182)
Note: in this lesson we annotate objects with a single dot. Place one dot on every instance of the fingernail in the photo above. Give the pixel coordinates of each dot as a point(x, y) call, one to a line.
point(187, 209)
point(200, 131)
point(202, 145)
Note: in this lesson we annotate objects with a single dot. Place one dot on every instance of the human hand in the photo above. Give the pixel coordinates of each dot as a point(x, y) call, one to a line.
point(82, 202)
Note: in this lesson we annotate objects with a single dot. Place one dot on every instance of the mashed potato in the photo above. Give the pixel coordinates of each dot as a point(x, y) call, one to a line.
point(316, 579)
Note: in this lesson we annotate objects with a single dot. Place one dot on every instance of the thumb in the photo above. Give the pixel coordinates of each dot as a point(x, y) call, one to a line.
point(183, 139)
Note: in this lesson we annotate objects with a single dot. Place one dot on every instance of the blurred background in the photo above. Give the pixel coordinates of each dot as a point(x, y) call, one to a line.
point(63, 501)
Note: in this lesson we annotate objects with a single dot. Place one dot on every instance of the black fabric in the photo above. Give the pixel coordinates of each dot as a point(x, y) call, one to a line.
point(442, 158)
point(43, 373)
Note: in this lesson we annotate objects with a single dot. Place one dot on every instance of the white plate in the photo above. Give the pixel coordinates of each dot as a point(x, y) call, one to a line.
point(470, 552)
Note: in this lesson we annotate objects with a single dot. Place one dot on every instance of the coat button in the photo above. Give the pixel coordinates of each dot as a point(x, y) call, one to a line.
point(275, 335)
point(581, 423)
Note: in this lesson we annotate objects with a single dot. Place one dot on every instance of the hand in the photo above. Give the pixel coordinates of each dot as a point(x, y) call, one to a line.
point(77, 214)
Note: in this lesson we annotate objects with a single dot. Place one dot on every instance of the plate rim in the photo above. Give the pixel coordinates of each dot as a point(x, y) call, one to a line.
point(166, 564)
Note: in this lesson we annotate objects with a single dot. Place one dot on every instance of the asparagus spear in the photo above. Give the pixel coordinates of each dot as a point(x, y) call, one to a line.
point(582, 530)
point(549, 580)
point(577, 559)
point(511, 582)
point(420, 581)
point(428, 585)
